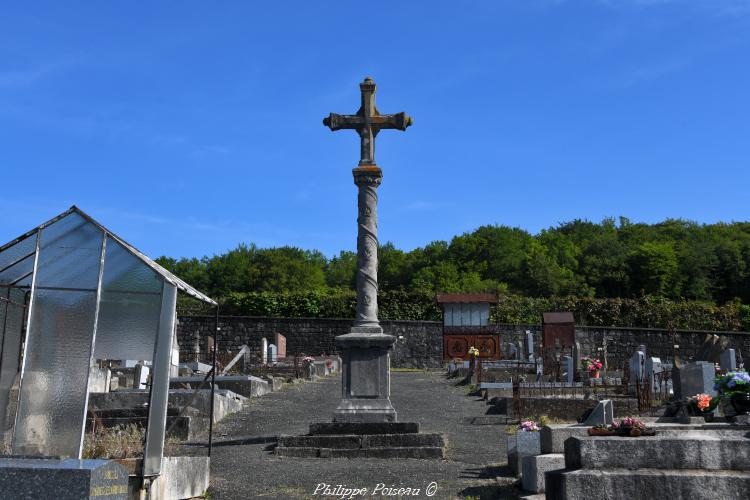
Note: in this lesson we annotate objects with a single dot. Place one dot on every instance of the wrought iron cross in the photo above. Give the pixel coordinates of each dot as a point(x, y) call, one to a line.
point(367, 122)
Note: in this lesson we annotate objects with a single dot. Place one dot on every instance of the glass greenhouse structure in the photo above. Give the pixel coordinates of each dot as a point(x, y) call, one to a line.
point(73, 293)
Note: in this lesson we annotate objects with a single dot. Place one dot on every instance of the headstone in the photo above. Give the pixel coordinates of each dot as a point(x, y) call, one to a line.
point(568, 369)
point(280, 342)
point(711, 348)
point(63, 479)
point(272, 354)
point(512, 351)
point(174, 360)
point(652, 371)
point(635, 366)
point(529, 345)
point(728, 360)
point(140, 379)
point(519, 351)
point(602, 414)
point(264, 350)
point(697, 378)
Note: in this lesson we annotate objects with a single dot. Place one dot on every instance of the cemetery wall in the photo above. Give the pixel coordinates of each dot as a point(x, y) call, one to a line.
point(421, 345)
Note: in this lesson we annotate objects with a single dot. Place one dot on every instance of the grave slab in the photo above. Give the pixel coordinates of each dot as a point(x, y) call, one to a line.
point(534, 468)
point(69, 479)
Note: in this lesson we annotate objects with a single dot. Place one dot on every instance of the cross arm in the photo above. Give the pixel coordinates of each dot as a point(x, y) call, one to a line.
point(337, 122)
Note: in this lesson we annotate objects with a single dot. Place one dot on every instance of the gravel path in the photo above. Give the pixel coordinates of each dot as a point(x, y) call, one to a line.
point(242, 465)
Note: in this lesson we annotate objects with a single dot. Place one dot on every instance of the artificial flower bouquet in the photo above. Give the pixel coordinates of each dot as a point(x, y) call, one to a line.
point(473, 352)
point(591, 364)
point(627, 426)
point(732, 382)
point(528, 426)
point(700, 404)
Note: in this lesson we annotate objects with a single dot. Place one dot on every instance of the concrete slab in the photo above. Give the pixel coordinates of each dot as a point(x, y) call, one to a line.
point(534, 468)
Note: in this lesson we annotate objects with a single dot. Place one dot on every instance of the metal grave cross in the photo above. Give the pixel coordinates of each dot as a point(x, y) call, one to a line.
point(367, 122)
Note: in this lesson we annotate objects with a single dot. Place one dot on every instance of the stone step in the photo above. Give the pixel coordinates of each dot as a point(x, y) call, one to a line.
point(629, 484)
point(362, 441)
point(554, 436)
point(392, 452)
point(689, 450)
point(364, 428)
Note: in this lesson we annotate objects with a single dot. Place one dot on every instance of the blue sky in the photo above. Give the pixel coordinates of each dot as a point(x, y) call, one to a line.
point(188, 127)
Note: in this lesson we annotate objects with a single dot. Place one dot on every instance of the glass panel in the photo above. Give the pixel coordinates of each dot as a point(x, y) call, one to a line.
point(17, 251)
point(20, 269)
point(127, 325)
point(125, 272)
point(54, 385)
point(69, 254)
point(10, 349)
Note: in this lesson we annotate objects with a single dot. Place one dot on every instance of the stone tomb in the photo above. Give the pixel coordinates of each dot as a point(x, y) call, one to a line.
point(62, 479)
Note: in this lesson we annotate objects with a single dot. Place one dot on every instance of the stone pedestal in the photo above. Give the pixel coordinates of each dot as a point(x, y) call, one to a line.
point(366, 381)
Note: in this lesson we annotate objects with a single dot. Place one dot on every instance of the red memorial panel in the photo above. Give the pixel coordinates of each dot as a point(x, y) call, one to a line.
point(457, 346)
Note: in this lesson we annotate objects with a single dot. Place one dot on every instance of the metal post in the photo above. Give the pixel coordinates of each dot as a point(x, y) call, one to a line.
point(213, 384)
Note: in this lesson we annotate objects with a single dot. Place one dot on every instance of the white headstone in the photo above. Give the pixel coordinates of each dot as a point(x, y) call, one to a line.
point(140, 379)
point(264, 350)
point(272, 354)
point(529, 345)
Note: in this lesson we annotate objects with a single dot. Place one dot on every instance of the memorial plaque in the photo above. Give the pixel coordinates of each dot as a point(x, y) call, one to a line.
point(365, 367)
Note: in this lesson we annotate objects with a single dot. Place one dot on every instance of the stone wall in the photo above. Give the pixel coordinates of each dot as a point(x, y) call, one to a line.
point(420, 342)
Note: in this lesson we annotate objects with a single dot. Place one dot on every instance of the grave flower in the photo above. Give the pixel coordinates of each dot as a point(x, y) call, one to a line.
point(528, 426)
point(473, 352)
point(308, 360)
point(731, 383)
point(591, 364)
point(703, 402)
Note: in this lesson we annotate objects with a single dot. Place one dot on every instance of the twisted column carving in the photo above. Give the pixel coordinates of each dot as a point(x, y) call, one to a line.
point(367, 180)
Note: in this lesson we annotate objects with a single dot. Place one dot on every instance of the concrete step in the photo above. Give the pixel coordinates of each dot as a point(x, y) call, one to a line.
point(394, 452)
point(353, 441)
point(629, 484)
point(364, 428)
point(688, 450)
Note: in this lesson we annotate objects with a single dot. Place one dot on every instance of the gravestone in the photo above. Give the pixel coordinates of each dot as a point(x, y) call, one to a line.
point(529, 346)
point(568, 369)
point(264, 350)
point(652, 371)
point(728, 360)
point(62, 479)
point(512, 351)
point(280, 342)
point(272, 354)
point(697, 378)
point(140, 379)
point(174, 360)
point(602, 414)
point(635, 366)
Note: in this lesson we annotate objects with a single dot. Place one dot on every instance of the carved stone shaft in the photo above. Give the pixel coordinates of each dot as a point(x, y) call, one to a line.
point(367, 180)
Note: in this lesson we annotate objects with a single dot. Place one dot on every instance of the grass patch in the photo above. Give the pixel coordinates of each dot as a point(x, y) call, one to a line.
point(122, 441)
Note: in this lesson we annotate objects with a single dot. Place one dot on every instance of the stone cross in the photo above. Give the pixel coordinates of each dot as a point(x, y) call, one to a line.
point(366, 350)
point(367, 122)
point(367, 176)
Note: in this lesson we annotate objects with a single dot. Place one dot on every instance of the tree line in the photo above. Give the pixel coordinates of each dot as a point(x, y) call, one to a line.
point(674, 259)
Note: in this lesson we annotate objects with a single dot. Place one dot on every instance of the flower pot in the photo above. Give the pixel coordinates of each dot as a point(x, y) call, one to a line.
point(741, 403)
point(600, 432)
